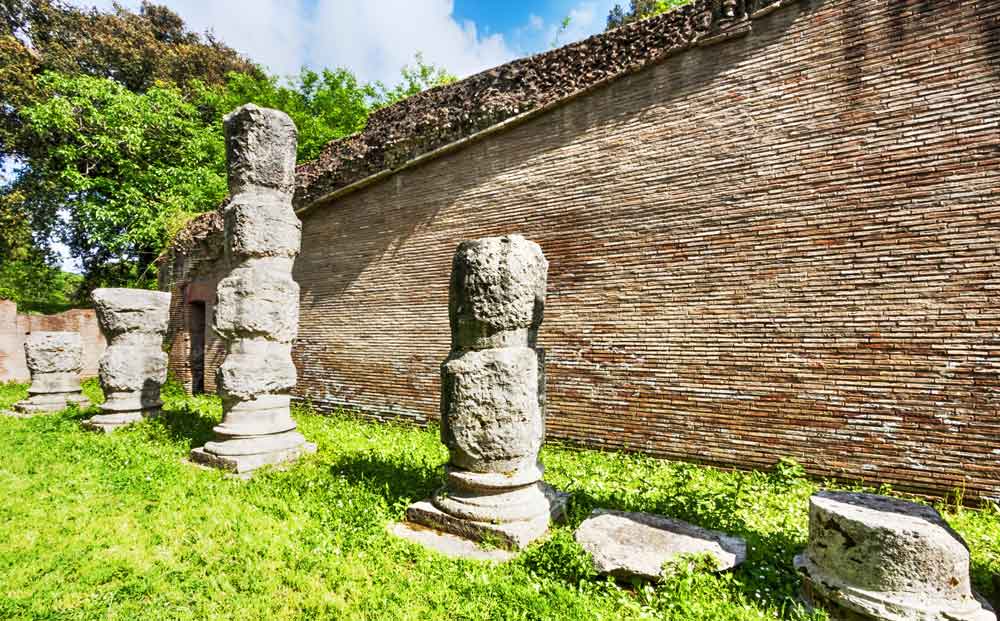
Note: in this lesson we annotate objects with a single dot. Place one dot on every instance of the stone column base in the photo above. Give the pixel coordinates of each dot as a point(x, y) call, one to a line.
point(112, 421)
point(247, 463)
point(509, 535)
point(50, 403)
point(846, 603)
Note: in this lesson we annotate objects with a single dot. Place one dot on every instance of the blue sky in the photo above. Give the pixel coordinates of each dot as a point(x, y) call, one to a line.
point(375, 38)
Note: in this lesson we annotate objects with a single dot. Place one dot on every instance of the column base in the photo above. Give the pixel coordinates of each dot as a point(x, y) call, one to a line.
point(509, 535)
point(109, 422)
point(847, 603)
point(51, 403)
point(245, 464)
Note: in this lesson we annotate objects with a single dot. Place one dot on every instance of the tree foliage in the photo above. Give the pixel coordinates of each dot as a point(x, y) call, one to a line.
point(122, 171)
point(117, 120)
point(641, 9)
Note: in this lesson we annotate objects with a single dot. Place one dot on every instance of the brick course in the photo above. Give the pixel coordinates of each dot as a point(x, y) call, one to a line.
point(781, 245)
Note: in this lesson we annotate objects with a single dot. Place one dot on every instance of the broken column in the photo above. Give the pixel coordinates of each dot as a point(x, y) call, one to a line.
point(134, 366)
point(493, 399)
point(873, 557)
point(55, 360)
point(257, 313)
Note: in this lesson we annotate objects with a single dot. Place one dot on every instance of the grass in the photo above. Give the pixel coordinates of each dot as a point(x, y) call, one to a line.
point(120, 527)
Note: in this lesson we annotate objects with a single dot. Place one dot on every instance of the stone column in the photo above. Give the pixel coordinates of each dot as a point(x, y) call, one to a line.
point(257, 313)
point(54, 360)
point(134, 366)
point(878, 558)
point(493, 398)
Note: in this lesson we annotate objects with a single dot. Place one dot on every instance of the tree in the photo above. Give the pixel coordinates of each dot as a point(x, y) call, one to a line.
point(136, 50)
point(123, 172)
point(641, 9)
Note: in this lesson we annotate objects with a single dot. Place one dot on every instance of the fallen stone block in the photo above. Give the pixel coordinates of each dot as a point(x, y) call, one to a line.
point(874, 557)
point(637, 545)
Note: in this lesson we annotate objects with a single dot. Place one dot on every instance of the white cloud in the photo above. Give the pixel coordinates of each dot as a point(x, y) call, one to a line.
point(373, 39)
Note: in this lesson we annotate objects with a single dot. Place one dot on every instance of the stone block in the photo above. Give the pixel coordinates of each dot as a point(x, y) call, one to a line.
point(255, 367)
point(54, 352)
point(132, 368)
point(497, 293)
point(262, 228)
point(491, 419)
point(132, 310)
point(260, 149)
point(261, 301)
point(636, 545)
point(880, 558)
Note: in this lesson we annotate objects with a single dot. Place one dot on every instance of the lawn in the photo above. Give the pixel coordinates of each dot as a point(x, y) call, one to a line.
point(120, 527)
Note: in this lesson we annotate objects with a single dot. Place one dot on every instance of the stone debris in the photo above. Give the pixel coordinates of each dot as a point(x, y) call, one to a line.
point(493, 399)
point(257, 313)
point(636, 545)
point(134, 367)
point(54, 360)
point(880, 558)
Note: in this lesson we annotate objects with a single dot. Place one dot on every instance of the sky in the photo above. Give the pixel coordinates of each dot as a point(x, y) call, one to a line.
point(376, 38)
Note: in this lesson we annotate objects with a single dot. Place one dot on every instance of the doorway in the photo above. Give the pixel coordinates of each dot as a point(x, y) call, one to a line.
point(197, 356)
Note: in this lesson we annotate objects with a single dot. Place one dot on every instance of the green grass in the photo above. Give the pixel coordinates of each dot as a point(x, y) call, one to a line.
point(120, 527)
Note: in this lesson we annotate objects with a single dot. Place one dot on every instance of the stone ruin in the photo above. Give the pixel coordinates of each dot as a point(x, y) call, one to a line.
point(54, 360)
point(873, 557)
point(257, 313)
point(134, 366)
point(493, 399)
point(627, 545)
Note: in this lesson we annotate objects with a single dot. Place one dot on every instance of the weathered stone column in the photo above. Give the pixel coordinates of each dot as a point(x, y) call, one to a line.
point(257, 313)
point(134, 366)
point(493, 398)
point(878, 558)
point(54, 360)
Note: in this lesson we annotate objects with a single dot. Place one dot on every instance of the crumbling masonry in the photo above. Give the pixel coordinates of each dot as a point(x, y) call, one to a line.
point(257, 313)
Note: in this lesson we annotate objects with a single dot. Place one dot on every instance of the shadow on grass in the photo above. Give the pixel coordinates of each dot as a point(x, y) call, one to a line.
point(187, 425)
point(397, 482)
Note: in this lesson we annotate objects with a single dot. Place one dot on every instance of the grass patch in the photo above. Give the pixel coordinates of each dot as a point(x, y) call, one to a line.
point(119, 527)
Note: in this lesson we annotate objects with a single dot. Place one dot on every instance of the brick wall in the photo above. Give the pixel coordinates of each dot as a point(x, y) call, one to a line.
point(191, 277)
point(781, 245)
point(14, 328)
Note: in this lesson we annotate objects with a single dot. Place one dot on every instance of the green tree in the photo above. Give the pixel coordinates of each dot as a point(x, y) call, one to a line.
point(641, 9)
point(123, 172)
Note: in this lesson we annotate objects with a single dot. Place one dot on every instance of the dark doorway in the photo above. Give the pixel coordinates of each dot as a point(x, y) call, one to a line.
point(197, 359)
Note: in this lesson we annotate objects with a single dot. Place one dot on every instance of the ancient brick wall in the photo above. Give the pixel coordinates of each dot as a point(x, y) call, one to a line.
point(781, 245)
point(14, 328)
point(191, 274)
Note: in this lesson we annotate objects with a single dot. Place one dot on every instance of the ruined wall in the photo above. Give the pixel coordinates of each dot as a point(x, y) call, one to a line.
point(191, 272)
point(780, 245)
point(14, 328)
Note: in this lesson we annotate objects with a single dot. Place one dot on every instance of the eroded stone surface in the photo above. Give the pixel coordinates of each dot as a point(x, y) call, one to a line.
point(260, 150)
point(627, 545)
point(493, 399)
point(875, 557)
point(257, 313)
point(497, 293)
point(133, 369)
point(491, 419)
point(54, 360)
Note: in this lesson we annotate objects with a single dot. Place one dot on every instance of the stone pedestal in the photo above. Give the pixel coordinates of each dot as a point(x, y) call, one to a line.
point(878, 558)
point(493, 399)
point(54, 360)
point(134, 366)
point(257, 313)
